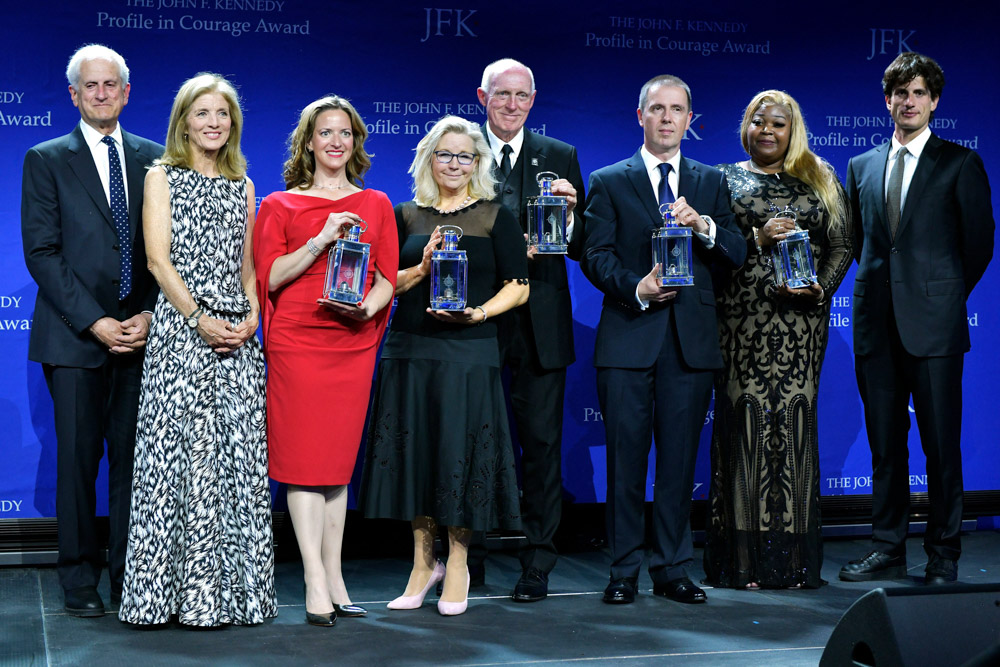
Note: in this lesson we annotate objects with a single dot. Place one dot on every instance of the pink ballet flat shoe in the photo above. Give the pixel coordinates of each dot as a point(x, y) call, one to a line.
point(455, 608)
point(414, 601)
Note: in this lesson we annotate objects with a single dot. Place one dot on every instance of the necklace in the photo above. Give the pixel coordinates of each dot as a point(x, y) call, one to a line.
point(465, 202)
point(331, 187)
point(754, 167)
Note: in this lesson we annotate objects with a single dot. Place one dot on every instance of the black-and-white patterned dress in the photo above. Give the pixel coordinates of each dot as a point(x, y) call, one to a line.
point(199, 543)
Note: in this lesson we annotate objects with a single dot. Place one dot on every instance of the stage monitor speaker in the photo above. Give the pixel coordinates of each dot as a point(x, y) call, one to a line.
point(912, 627)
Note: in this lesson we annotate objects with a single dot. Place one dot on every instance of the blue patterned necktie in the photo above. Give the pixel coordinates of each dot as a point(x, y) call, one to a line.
point(665, 194)
point(119, 211)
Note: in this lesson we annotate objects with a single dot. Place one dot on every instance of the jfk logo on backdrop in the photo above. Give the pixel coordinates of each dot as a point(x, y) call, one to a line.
point(441, 22)
point(890, 41)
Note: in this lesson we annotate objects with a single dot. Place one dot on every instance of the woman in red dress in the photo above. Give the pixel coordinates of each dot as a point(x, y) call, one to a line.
point(321, 353)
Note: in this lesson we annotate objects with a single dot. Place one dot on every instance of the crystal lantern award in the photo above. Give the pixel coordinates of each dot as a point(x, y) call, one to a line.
point(792, 256)
point(547, 218)
point(672, 251)
point(449, 272)
point(347, 268)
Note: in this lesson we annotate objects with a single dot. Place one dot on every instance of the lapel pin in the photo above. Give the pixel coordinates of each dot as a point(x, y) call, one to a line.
point(534, 162)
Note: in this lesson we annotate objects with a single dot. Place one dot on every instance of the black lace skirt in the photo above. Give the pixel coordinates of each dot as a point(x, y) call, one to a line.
point(438, 443)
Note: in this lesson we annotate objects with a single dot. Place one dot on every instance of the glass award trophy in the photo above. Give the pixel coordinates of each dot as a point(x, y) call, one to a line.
point(672, 251)
point(347, 268)
point(547, 218)
point(449, 272)
point(792, 256)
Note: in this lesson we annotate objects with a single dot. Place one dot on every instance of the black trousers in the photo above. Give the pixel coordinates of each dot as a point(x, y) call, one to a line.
point(93, 405)
point(667, 403)
point(886, 380)
point(536, 396)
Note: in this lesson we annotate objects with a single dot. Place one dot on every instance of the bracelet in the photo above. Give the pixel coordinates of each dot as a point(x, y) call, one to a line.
point(756, 239)
point(485, 315)
point(195, 314)
point(313, 248)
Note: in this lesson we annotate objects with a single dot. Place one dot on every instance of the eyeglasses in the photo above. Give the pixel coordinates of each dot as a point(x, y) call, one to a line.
point(445, 157)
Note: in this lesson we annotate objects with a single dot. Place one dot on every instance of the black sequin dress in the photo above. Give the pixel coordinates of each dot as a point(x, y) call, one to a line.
point(764, 524)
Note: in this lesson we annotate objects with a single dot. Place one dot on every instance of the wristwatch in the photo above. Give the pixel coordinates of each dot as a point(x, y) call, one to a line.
point(192, 319)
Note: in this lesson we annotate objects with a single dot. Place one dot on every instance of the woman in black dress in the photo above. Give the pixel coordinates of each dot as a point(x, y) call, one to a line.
point(439, 450)
point(764, 525)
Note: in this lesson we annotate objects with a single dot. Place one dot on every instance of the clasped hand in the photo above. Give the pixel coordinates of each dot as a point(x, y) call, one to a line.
point(122, 337)
point(224, 337)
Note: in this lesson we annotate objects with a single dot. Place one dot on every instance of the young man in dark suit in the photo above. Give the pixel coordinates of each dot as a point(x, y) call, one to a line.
point(81, 207)
point(536, 339)
point(924, 236)
point(657, 347)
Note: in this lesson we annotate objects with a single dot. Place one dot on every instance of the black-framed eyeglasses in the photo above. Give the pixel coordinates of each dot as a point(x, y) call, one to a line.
point(445, 157)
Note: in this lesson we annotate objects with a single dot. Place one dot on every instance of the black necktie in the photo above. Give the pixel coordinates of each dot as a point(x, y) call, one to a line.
point(894, 195)
point(505, 160)
point(665, 194)
point(119, 211)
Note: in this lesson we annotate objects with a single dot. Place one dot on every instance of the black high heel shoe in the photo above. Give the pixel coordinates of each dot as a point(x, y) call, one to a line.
point(322, 620)
point(349, 610)
point(327, 620)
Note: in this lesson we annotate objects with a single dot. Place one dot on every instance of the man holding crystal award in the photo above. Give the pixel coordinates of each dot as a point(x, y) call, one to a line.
point(657, 347)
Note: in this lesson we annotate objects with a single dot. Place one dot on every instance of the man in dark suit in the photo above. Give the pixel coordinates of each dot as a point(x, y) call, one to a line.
point(537, 338)
point(657, 347)
point(924, 228)
point(81, 205)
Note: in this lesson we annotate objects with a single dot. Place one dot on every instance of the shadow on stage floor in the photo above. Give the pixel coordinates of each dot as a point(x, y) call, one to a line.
point(571, 626)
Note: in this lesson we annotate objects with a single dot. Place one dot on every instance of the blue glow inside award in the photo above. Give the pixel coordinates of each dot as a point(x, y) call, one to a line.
point(347, 268)
point(672, 251)
point(792, 257)
point(449, 272)
point(547, 218)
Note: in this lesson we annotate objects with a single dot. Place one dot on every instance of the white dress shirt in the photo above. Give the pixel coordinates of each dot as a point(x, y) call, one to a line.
point(100, 153)
point(914, 148)
point(516, 144)
point(652, 164)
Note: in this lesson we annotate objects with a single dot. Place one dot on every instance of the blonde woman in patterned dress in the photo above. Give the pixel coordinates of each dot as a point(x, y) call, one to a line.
point(200, 546)
point(764, 523)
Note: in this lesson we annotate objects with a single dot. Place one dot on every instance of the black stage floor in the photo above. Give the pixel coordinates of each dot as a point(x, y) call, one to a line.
point(571, 627)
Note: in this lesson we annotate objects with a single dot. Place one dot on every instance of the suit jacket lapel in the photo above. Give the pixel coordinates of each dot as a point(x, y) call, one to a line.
point(135, 174)
point(925, 167)
point(534, 164)
point(879, 165)
point(635, 171)
point(688, 181)
point(81, 161)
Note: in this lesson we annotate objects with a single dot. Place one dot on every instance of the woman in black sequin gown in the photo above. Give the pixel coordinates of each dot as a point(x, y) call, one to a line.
point(764, 526)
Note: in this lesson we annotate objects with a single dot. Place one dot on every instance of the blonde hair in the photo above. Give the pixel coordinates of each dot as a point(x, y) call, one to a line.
point(425, 189)
point(800, 161)
point(230, 160)
point(300, 168)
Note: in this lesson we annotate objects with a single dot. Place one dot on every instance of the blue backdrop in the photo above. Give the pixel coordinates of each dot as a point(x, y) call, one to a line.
point(404, 65)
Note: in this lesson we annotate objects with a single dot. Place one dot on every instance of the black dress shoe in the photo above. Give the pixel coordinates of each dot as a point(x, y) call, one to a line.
point(83, 602)
point(621, 591)
point(322, 620)
point(680, 590)
point(940, 571)
point(349, 610)
point(875, 565)
point(532, 586)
